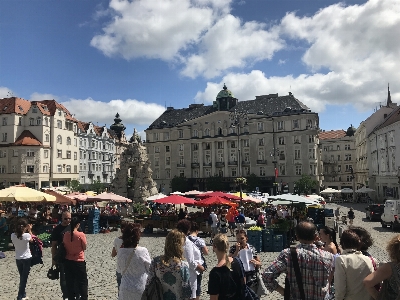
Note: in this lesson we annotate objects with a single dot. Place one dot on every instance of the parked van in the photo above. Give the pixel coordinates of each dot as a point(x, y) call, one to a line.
point(391, 214)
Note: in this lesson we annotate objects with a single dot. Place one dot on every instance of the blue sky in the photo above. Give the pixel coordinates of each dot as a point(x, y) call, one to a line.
point(136, 57)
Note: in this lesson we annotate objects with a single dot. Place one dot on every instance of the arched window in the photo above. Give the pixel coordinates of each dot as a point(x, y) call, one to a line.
point(38, 121)
point(219, 131)
point(207, 132)
point(59, 139)
point(68, 141)
point(45, 169)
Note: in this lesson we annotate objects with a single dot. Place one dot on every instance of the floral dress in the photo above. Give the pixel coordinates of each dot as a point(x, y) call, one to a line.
point(174, 278)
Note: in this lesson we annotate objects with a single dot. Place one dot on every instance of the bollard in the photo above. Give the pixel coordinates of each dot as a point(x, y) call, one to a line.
point(340, 231)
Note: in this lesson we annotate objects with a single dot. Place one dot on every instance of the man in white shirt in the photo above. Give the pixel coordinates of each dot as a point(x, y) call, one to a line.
point(214, 225)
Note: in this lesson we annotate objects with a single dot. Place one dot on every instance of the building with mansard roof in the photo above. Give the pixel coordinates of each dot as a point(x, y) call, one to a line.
point(274, 137)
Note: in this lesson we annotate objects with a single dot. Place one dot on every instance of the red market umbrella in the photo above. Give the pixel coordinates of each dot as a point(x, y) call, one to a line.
point(219, 194)
point(175, 199)
point(215, 201)
point(109, 197)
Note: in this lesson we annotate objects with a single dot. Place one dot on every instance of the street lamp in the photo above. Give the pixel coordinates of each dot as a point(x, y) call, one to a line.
point(274, 153)
point(352, 177)
point(237, 117)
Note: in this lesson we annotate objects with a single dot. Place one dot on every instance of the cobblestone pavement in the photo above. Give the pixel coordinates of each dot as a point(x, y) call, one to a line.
point(101, 267)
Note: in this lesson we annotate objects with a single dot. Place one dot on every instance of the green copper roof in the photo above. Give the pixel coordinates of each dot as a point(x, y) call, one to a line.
point(225, 93)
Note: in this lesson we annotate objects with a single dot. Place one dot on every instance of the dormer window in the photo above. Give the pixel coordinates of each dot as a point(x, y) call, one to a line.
point(34, 109)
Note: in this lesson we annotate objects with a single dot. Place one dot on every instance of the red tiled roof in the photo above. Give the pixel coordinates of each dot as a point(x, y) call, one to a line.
point(27, 139)
point(52, 105)
point(14, 105)
point(333, 134)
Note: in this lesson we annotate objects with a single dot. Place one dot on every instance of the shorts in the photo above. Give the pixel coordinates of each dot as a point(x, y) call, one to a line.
point(231, 225)
point(214, 230)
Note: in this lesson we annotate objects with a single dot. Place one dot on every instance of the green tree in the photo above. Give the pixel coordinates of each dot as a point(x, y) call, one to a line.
point(214, 183)
point(253, 181)
point(305, 184)
point(179, 184)
point(74, 185)
point(97, 186)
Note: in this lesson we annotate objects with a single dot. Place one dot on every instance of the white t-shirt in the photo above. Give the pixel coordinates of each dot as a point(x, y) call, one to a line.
point(117, 244)
point(22, 250)
point(214, 219)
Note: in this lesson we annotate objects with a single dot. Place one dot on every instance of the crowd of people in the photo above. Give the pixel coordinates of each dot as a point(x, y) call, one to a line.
point(317, 268)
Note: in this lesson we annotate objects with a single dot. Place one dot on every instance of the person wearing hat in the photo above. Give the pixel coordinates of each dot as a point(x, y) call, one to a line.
point(240, 220)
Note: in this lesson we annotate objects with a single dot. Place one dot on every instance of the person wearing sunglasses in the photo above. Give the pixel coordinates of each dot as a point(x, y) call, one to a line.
point(56, 240)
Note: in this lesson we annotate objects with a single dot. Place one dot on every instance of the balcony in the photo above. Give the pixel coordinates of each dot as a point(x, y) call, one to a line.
point(207, 164)
point(329, 161)
point(90, 173)
point(220, 164)
point(180, 165)
point(232, 163)
point(195, 165)
point(105, 173)
point(245, 163)
point(261, 162)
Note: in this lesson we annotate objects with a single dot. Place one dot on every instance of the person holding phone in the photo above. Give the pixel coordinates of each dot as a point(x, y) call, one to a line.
point(21, 239)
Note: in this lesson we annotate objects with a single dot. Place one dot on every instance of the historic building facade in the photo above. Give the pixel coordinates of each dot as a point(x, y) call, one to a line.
point(39, 145)
point(274, 137)
point(384, 145)
point(338, 158)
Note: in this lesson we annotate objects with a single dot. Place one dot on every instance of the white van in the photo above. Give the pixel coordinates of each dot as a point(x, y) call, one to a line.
point(391, 213)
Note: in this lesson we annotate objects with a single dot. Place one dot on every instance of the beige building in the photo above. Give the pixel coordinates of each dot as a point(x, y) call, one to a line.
point(363, 160)
point(338, 158)
point(39, 146)
point(384, 145)
point(266, 136)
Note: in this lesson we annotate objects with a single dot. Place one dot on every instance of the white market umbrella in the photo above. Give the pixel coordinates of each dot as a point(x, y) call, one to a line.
point(177, 193)
point(365, 190)
point(329, 191)
point(293, 198)
point(24, 194)
point(156, 196)
point(346, 191)
point(193, 193)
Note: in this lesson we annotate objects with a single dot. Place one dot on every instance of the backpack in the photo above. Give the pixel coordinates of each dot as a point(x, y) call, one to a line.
point(247, 293)
point(36, 248)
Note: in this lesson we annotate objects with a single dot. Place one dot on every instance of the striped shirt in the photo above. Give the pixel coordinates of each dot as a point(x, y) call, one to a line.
point(315, 267)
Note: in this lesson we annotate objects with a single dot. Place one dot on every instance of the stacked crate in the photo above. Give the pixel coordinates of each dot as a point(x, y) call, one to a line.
point(93, 224)
point(267, 236)
point(255, 239)
point(278, 243)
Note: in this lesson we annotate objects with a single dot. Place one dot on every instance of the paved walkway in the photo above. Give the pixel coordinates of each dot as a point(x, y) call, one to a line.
point(101, 267)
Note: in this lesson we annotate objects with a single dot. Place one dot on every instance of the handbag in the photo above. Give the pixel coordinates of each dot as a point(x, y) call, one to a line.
point(53, 273)
point(299, 279)
point(154, 290)
point(247, 292)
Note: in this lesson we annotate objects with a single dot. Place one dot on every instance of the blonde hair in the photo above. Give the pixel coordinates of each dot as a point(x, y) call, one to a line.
point(173, 247)
point(393, 248)
point(221, 242)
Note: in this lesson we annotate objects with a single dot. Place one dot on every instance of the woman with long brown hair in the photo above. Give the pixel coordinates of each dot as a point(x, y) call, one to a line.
point(171, 268)
point(21, 238)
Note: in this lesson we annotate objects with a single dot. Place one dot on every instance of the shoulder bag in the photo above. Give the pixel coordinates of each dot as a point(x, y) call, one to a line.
point(299, 279)
point(154, 290)
point(247, 292)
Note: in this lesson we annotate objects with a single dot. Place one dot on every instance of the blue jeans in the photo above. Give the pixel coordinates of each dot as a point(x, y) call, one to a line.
point(24, 267)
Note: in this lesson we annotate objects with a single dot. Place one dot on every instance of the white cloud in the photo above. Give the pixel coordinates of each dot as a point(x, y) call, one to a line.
point(352, 53)
point(5, 92)
point(39, 96)
point(282, 62)
point(152, 29)
point(231, 44)
point(132, 112)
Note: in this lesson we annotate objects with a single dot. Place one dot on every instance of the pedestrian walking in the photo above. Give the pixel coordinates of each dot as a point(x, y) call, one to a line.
point(351, 216)
point(232, 213)
point(75, 266)
point(214, 225)
point(116, 245)
point(56, 239)
point(192, 255)
point(21, 239)
point(134, 262)
point(224, 283)
point(240, 220)
point(241, 243)
point(171, 268)
point(351, 267)
point(388, 273)
point(315, 267)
